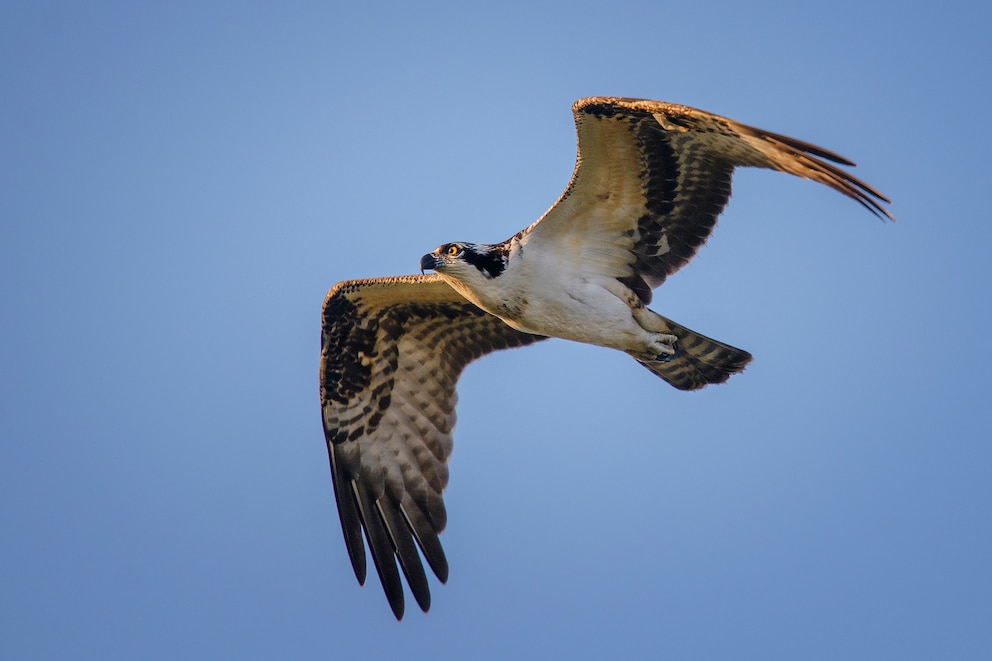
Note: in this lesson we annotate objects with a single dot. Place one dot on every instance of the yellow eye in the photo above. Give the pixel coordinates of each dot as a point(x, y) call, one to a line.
point(453, 251)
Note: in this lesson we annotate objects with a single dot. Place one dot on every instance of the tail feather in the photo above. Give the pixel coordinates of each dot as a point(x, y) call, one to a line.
point(698, 361)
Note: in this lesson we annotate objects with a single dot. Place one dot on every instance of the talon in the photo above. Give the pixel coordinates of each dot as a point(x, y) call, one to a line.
point(664, 357)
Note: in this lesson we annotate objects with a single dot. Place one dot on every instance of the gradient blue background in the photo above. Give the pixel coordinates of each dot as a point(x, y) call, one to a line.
point(182, 182)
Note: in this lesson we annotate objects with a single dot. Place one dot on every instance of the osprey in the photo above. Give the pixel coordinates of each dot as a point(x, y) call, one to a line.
point(649, 182)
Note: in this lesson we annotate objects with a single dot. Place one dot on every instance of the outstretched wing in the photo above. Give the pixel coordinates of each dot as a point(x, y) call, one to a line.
point(392, 350)
point(652, 177)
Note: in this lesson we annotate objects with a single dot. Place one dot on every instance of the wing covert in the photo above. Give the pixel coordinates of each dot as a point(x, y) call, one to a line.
point(392, 350)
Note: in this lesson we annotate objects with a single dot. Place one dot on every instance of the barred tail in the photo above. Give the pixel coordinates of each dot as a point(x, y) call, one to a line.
point(698, 361)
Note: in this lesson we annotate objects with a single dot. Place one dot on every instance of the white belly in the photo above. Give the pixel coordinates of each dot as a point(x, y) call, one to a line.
point(557, 302)
point(589, 314)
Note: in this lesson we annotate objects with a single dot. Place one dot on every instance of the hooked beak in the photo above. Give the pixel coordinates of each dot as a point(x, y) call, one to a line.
point(429, 262)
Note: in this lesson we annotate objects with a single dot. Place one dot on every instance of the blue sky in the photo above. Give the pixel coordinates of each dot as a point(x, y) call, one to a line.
point(181, 183)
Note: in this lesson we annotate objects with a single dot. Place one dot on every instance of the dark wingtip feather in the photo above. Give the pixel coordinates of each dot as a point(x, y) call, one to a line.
point(427, 539)
point(810, 148)
point(381, 548)
point(350, 517)
point(406, 552)
point(818, 168)
point(397, 606)
point(867, 196)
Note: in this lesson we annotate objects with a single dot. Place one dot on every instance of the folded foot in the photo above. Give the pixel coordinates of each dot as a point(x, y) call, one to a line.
point(666, 346)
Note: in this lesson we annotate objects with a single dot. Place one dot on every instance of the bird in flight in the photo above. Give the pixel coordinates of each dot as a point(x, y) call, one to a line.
point(650, 180)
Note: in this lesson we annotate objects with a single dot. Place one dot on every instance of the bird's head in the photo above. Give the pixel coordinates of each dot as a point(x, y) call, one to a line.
point(469, 263)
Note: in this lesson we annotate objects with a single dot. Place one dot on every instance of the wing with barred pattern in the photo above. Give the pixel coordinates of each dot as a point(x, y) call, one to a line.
point(392, 350)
